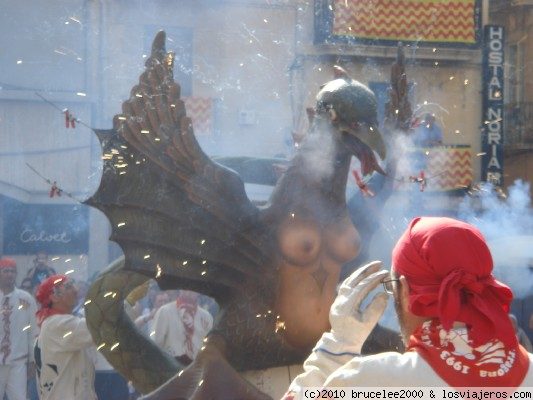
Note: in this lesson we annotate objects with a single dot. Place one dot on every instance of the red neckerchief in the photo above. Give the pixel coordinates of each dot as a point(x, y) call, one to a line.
point(189, 309)
point(452, 357)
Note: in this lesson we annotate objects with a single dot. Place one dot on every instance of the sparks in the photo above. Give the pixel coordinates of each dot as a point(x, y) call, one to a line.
point(280, 325)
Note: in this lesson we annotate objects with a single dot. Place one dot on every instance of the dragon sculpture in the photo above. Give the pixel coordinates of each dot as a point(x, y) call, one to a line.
point(186, 221)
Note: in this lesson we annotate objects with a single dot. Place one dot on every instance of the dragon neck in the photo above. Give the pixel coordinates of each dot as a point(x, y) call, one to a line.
point(317, 175)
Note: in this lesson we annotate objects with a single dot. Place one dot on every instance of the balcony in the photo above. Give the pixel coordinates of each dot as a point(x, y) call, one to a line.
point(518, 126)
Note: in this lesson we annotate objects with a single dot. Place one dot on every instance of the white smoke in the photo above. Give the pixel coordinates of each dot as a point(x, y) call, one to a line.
point(507, 224)
point(318, 155)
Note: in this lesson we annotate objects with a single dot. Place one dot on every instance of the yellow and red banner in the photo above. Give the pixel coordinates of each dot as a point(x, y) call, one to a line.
point(442, 21)
point(446, 168)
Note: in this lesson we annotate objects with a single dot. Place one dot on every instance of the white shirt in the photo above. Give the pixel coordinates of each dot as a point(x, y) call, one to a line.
point(169, 331)
point(65, 368)
point(18, 327)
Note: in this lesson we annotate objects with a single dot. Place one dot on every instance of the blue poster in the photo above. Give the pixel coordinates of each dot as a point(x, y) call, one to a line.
point(54, 229)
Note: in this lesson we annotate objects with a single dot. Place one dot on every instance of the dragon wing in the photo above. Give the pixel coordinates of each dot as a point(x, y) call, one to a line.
point(179, 216)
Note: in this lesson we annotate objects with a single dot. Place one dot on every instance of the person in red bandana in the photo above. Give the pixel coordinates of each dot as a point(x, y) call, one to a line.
point(65, 366)
point(453, 316)
point(181, 326)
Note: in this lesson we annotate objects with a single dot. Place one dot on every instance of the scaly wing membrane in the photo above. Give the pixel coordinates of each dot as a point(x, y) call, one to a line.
point(178, 215)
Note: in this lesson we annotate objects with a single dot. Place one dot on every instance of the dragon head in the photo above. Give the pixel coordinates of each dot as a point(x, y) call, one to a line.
point(351, 108)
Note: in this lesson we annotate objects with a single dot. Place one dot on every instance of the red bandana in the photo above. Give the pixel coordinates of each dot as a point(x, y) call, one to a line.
point(453, 357)
point(7, 263)
point(43, 296)
point(448, 267)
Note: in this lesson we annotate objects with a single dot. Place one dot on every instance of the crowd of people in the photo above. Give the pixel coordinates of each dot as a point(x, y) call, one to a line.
point(448, 303)
point(46, 350)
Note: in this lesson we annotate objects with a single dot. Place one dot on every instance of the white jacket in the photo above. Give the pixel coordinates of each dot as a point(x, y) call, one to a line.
point(18, 327)
point(65, 368)
point(323, 369)
point(169, 332)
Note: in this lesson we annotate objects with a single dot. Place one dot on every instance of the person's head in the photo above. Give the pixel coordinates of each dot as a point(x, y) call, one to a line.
point(41, 260)
point(58, 293)
point(8, 273)
point(443, 270)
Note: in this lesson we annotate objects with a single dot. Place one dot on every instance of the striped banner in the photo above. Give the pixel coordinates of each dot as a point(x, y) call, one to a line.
point(445, 167)
point(444, 21)
point(201, 110)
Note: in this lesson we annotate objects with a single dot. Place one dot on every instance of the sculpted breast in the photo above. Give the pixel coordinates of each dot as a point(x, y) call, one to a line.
point(299, 241)
point(342, 241)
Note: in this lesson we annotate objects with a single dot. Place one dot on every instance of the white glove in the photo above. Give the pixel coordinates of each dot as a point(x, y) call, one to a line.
point(350, 326)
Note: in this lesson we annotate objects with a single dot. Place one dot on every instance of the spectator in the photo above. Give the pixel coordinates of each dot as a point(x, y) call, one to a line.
point(18, 330)
point(180, 326)
point(145, 322)
point(40, 270)
point(65, 369)
point(452, 314)
point(520, 334)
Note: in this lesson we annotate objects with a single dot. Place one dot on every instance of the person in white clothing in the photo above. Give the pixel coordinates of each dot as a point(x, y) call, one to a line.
point(181, 326)
point(18, 330)
point(452, 314)
point(65, 367)
point(145, 322)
